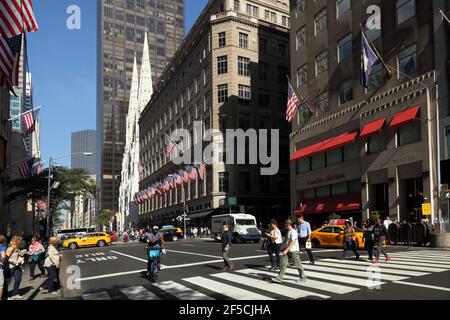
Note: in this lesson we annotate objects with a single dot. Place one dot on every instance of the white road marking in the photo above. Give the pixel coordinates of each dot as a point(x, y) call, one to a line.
point(364, 268)
point(422, 257)
point(181, 292)
point(194, 254)
point(351, 272)
point(97, 296)
point(139, 293)
point(336, 278)
point(128, 256)
point(118, 274)
point(392, 264)
point(430, 262)
point(420, 285)
point(279, 289)
point(226, 290)
point(313, 284)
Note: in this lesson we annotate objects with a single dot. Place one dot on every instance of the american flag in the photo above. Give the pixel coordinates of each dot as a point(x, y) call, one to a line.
point(292, 103)
point(38, 169)
point(29, 121)
point(201, 171)
point(41, 205)
point(26, 168)
point(10, 50)
point(16, 17)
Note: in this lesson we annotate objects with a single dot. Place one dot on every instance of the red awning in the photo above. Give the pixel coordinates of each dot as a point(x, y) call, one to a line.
point(324, 146)
point(348, 202)
point(404, 117)
point(373, 127)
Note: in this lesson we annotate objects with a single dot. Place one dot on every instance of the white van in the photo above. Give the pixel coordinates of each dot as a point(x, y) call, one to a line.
point(243, 227)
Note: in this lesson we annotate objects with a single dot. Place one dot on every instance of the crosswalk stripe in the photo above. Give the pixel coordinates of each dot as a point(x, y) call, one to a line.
point(226, 290)
point(283, 290)
point(431, 263)
point(331, 277)
point(139, 293)
point(395, 265)
point(353, 273)
point(313, 284)
point(428, 253)
point(97, 296)
point(421, 285)
point(181, 292)
point(422, 257)
point(363, 268)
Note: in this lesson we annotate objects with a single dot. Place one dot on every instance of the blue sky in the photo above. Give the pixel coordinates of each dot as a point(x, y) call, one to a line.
point(63, 64)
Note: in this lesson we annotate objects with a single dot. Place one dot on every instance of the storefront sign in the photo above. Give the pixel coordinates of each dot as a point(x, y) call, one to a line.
point(426, 209)
point(331, 177)
point(394, 162)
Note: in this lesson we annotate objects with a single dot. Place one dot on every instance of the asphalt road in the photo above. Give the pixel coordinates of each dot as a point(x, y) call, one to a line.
point(192, 271)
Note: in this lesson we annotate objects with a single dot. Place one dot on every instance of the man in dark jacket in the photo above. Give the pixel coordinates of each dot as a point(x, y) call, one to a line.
point(226, 244)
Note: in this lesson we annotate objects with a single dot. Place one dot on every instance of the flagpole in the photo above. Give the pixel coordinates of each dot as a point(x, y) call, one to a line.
point(388, 69)
point(24, 113)
point(299, 94)
point(444, 16)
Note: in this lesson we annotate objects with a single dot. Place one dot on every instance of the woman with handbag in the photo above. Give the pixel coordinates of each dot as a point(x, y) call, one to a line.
point(35, 252)
point(15, 261)
point(52, 262)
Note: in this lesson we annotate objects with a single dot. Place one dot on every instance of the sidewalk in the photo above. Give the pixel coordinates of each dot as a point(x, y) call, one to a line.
point(30, 289)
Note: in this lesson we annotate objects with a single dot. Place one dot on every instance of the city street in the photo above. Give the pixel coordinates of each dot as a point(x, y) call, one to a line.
point(192, 271)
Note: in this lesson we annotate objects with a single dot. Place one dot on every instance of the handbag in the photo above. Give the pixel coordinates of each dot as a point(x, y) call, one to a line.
point(308, 245)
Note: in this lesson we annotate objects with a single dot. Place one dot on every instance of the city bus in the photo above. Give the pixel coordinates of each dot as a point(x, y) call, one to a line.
point(71, 233)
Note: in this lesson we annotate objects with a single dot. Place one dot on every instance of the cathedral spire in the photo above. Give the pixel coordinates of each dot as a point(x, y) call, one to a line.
point(146, 83)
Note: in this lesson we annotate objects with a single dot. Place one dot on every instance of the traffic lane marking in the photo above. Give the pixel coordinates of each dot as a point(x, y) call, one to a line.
point(187, 265)
point(193, 253)
point(420, 285)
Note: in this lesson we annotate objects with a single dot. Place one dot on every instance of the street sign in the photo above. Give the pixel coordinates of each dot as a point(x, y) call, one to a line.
point(232, 201)
point(426, 209)
point(180, 218)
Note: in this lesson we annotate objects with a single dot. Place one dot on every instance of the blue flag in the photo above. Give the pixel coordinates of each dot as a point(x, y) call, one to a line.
point(368, 59)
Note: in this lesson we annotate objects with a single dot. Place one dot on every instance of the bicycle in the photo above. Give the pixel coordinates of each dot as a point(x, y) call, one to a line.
point(153, 254)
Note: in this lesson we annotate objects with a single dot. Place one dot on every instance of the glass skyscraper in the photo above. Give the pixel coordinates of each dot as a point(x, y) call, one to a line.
point(121, 28)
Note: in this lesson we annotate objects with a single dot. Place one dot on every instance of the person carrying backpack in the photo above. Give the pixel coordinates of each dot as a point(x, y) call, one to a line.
point(369, 239)
point(381, 235)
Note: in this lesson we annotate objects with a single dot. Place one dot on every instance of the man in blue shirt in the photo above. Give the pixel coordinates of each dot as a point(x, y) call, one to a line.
point(304, 236)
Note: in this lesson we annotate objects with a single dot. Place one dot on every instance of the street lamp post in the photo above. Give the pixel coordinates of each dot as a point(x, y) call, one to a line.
point(49, 185)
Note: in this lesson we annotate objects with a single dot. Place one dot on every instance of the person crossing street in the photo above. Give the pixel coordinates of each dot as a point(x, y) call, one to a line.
point(381, 235)
point(304, 234)
point(292, 251)
point(226, 244)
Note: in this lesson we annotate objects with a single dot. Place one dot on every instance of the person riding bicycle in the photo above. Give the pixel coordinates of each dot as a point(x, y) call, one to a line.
point(155, 239)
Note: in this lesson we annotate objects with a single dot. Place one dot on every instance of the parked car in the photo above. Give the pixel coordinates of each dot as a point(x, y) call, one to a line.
point(99, 239)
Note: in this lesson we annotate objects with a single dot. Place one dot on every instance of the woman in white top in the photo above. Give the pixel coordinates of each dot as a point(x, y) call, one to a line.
point(274, 246)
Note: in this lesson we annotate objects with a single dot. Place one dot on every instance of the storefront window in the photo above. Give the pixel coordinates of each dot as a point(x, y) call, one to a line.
point(340, 188)
point(334, 157)
point(351, 152)
point(323, 192)
point(303, 166)
point(377, 143)
point(354, 186)
point(309, 194)
point(318, 161)
point(409, 133)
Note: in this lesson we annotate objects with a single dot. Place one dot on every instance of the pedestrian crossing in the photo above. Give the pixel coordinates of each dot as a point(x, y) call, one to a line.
point(327, 279)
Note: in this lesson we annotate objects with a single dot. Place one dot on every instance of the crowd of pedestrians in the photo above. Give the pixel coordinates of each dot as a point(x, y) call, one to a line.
point(16, 253)
point(202, 232)
point(297, 236)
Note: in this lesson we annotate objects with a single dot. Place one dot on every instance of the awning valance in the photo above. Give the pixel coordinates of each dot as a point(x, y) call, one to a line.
point(340, 203)
point(325, 146)
point(373, 127)
point(405, 117)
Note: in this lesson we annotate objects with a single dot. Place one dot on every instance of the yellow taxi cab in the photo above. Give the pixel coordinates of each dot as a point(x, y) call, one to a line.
point(99, 239)
point(333, 236)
